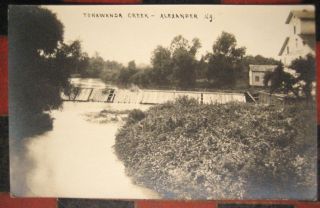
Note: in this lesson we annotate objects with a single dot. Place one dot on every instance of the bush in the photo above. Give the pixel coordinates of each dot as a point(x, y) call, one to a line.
point(187, 150)
point(135, 116)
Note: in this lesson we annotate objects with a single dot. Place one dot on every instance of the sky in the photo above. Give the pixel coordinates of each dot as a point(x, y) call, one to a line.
point(261, 29)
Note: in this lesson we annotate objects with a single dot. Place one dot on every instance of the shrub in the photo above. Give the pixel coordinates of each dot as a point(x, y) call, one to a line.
point(135, 116)
point(187, 150)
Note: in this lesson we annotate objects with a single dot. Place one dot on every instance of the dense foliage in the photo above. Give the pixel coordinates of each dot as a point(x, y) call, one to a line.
point(174, 66)
point(258, 59)
point(40, 65)
point(224, 64)
point(306, 70)
point(177, 66)
point(97, 67)
point(300, 84)
point(234, 150)
point(280, 81)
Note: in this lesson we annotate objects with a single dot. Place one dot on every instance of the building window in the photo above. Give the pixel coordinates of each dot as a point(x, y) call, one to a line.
point(294, 29)
point(297, 42)
point(256, 78)
point(288, 51)
point(303, 42)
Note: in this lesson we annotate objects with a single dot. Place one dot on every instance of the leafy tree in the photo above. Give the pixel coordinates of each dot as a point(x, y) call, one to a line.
point(106, 70)
point(285, 82)
point(225, 61)
point(179, 42)
point(259, 60)
point(95, 66)
point(306, 70)
point(280, 80)
point(184, 61)
point(184, 68)
point(202, 68)
point(162, 65)
point(142, 77)
point(113, 65)
point(77, 59)
point(110, 71)
point(39, 68)
point(126, 73)
point(196, 45)
point(132, 66)
point(70, 58)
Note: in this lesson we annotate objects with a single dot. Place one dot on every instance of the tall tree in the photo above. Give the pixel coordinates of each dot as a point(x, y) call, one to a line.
point(38, 68)
point(95, 66)
point(299, 84)
point(132, 66)
point(162, 66)
point(77, 59)
point(70, 58)
point(306, 71)
point(281, 81)
point(225, 61)
point(142, 77)
point(184, 61)
point(126, 73)
point(110, 71)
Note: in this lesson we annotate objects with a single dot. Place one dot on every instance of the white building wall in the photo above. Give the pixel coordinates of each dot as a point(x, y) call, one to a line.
point(296, 47)
point(295, 23)
point(250, 77)
point(254, 76)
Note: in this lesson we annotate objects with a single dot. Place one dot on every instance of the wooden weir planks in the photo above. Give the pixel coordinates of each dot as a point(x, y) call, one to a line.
point(223, 97)
point(83, 94)
point(150, 96)
point(127, 96)
point(99, 95)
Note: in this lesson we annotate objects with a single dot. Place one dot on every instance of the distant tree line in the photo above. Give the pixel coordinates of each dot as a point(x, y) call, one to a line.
point(177, 66)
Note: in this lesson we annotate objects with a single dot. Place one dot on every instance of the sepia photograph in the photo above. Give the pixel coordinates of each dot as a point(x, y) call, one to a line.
point(183, 102)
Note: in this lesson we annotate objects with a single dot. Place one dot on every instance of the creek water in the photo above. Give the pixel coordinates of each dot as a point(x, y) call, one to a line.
point(76, 158)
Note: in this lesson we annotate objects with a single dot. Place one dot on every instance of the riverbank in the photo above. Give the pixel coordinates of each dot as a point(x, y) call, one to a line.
point(185, 150)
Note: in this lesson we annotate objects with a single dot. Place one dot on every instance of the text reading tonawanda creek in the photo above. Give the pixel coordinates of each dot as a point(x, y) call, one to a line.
point(146, 16)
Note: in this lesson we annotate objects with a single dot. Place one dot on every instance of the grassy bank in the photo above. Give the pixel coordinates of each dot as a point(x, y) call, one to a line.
point(188, 150)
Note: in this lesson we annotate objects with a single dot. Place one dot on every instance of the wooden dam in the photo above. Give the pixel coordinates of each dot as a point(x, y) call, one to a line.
point(112, 95)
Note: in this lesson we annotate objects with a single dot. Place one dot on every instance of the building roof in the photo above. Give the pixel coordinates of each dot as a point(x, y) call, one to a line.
point(262, 68)
point(308, 39)
point(283, 46)
point(301, 14)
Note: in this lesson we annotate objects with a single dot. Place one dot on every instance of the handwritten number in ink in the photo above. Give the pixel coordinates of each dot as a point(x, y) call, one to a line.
point(209, 17)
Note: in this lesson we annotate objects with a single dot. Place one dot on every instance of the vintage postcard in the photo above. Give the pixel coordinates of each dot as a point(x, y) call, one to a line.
point(188, 102)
